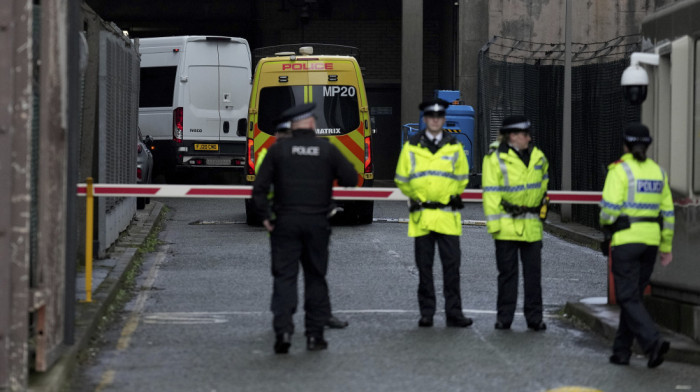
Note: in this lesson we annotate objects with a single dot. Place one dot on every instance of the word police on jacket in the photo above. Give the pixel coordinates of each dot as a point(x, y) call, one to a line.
point(305, 150)
point(650, 186)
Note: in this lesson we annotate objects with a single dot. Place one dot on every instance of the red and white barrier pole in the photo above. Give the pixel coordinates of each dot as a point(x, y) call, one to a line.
point(339, 193)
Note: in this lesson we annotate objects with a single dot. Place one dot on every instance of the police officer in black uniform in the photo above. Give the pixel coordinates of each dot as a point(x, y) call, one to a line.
point(302, 170)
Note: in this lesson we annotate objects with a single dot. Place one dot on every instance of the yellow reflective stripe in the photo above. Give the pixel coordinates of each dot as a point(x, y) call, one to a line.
point(630, 182)
point(504, 169)
point(605, 217)
point(438, 173)
point(412, 157)
point(400, 178)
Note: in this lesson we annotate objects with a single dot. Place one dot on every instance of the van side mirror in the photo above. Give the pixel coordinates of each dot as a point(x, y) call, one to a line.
point(242, 123)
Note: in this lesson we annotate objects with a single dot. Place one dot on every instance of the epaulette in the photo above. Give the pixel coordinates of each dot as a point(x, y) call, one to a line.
point(415, 139)
point(449, 138)
point(613, 164)
point(493, 147)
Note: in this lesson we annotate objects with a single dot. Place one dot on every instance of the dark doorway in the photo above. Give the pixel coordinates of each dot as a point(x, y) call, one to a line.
point(385, 111)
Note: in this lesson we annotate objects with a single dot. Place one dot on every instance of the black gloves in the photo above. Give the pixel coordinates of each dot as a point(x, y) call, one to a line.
point(456, 202)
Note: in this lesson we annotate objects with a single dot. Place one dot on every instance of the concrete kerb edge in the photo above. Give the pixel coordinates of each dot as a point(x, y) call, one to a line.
point(683, 349)
point(572, 236)
point(88, 316)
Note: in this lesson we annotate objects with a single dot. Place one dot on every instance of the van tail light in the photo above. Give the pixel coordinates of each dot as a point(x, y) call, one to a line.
point(369, 166)
point(177, 125)
point(139, 174)
point(139, 149)
point(250, 162)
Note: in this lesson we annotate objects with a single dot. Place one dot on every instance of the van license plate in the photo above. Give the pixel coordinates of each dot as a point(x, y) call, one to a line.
point(206, 147)
point(218, 162)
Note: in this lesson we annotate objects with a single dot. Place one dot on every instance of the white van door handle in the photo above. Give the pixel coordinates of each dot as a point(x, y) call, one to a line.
point(227, 101)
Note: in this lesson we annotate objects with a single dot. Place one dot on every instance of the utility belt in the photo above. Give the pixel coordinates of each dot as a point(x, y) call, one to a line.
point(517, 210)
point(624, 222)
point(455, 203)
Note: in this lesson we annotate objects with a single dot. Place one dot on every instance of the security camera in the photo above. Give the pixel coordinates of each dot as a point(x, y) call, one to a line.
point(635, 80)
point(634, 84)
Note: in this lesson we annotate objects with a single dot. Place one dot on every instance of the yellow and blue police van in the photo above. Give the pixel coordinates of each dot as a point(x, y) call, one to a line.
point(335, 84)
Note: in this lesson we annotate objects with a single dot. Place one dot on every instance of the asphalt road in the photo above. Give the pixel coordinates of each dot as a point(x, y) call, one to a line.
point(199, 320)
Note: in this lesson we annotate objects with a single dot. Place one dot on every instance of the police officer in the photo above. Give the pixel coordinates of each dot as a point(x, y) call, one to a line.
point(282, 130)
point(514, 181)
point(433, 171)
point(638, 208)
point(302, 170)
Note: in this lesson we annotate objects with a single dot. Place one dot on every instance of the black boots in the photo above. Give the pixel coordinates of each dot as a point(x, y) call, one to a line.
point(336, 323)
point(282, 343)
point(316, 343)
point(656, 355)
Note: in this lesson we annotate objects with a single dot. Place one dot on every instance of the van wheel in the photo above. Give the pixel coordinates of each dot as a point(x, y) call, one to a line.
point(140, 203)
point(359, 212)
point(251, 218)
point(365, 212)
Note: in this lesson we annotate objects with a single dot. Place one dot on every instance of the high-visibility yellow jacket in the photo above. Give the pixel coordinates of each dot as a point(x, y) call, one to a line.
point(425, 176)
point(638, 190)
point(505, 177)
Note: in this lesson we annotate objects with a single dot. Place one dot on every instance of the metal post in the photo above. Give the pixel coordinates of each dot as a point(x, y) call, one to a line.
point(89, 219)
point(411, 59)
point(566, 131)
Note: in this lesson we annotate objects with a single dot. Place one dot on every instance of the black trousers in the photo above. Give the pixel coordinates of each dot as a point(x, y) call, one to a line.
point(450, 255)
point(300, 239)
point(632, 265)
point(507, 264)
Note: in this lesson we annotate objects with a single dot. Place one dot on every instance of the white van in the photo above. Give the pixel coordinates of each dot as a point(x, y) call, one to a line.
point(193, 100)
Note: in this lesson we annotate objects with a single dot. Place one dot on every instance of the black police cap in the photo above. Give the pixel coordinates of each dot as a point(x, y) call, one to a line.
point(434, 106)
point(636, 133)
point(515, 123)
point(296, 113)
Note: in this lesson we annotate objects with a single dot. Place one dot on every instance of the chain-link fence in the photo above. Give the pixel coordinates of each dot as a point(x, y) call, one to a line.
point(527, 78)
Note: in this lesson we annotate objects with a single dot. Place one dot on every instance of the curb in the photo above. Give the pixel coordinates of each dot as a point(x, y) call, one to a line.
point(590, 240)
point(603, 321)
point(89, 315)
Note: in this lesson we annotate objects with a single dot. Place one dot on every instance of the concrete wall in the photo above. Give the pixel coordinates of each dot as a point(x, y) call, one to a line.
point(541, 21)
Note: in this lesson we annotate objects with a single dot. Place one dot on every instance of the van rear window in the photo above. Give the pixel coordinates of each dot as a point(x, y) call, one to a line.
point(337, 110)
point(157, 86)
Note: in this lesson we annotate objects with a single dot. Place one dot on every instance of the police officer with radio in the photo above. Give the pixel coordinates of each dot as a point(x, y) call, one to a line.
point(636, 212)
point(514, 182)
point(302, 170)
point(282, 130)
point(432, 171)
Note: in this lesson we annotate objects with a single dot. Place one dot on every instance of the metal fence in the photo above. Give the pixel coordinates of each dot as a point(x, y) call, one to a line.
point(527, 78)
point(110, 121)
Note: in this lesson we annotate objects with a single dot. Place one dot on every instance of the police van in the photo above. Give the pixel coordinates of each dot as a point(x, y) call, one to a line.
point(193, 100)
point(334, 82)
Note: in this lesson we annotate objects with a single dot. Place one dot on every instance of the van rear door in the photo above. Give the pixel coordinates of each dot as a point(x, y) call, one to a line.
point(217, 89)
point(234, 74)
point(201, 118)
